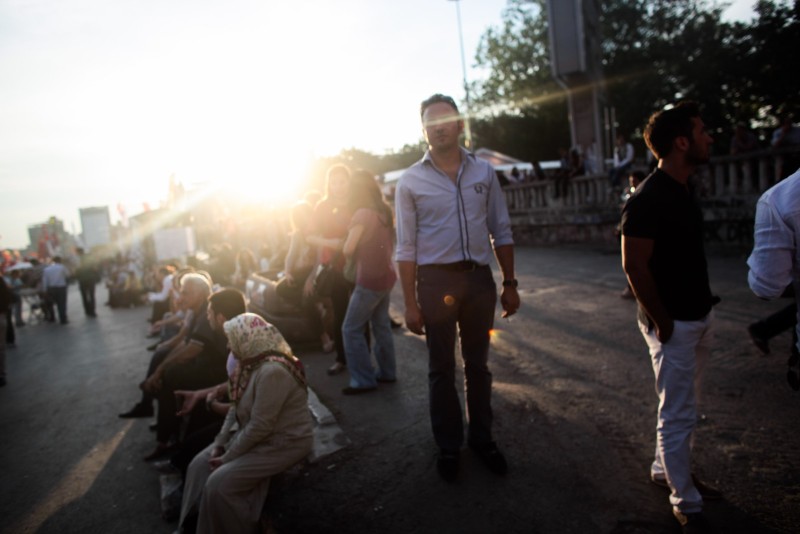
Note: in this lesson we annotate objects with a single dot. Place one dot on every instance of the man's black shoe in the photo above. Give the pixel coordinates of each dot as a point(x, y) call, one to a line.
point(491, 456)
point(140, 410)
point(693, 523)
point(758, 340)
point(447, 464)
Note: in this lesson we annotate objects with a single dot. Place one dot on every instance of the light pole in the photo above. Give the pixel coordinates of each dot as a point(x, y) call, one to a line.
point(467, 131)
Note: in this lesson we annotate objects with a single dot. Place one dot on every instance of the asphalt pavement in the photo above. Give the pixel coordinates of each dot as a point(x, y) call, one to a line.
point(574, 411)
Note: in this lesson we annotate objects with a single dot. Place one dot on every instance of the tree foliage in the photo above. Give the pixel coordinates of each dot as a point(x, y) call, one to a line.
point(654, 52)
point(520, 108)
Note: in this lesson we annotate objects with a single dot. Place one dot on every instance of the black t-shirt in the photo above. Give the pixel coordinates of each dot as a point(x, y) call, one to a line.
point(215, 344)
point(663, 210)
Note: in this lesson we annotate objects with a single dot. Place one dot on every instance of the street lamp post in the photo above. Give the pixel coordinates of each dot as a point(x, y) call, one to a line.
point(467, 130)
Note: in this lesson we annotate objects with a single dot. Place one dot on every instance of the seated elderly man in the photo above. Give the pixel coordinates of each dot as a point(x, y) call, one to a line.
point(202, 360)
point(198, 362)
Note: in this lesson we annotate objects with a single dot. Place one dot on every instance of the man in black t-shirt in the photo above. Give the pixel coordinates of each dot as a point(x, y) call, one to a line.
point(664, 259)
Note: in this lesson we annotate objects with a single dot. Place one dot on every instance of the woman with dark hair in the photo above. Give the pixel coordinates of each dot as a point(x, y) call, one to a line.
point(369, 247)
point(329, 228)
point(298, 269)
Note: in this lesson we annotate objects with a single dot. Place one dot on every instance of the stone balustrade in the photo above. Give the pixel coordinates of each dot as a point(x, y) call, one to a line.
point(728, 187)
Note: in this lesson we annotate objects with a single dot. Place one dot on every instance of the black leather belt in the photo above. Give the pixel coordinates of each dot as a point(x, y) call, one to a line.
point(459, 266)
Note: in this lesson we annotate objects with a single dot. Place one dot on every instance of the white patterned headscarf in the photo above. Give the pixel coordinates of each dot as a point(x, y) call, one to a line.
point(249, 335)
point(254, 341)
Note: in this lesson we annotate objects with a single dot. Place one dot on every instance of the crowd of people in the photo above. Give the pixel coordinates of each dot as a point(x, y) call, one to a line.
point(230, 397)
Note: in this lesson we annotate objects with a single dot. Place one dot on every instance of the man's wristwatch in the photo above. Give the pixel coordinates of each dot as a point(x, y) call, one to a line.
point(510, 283)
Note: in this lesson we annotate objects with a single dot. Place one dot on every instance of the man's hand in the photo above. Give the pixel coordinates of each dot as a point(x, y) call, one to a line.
point(289, 278)
point(509, 299)
point(186, 401)
point(414, 320)
point(664, 330)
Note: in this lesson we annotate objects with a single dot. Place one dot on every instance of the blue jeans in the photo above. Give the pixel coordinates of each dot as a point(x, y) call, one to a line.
point(462, 303)
point(367, 306)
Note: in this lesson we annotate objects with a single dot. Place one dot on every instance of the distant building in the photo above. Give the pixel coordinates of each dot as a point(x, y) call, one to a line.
point(95, 227)
point(49, 238)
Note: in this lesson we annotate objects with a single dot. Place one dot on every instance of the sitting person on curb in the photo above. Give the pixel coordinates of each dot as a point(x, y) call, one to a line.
point(227, 482)
point(170, 340)
point(205, 418)
point(197, 363)
point(174, 319)
point(161, 299)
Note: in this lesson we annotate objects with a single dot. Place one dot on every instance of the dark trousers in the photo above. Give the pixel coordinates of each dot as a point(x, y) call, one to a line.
point(155, 360)
point(340, 298)
point(194, 443)
point(87, 296)
point(11, 336)
point(782, 320)
point(466, 301)
point(159, 309)
point(58, 295)
point(195, 374)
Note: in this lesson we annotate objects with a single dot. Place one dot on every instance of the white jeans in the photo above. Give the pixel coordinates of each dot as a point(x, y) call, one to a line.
point(678, 365)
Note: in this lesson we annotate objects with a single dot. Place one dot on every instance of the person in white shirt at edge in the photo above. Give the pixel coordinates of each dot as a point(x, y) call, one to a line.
point(775, 260)
point(451, 216)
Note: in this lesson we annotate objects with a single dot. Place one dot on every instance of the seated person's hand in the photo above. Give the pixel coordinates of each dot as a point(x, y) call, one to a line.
point(186, 401)
point(308, 288)
point(214, 460)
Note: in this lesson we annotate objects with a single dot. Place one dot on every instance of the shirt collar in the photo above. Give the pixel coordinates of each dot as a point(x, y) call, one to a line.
point(466, 156)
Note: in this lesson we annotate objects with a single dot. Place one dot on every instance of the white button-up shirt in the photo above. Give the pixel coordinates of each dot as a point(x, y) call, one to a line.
point(439, 221)
point(775, 260)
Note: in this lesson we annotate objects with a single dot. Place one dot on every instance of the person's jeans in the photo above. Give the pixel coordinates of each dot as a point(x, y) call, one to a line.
point(466, 300)
point(367, 306)
point(678, 365)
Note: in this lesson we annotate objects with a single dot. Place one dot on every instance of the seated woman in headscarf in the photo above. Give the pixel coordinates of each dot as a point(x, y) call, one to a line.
point(227, 483)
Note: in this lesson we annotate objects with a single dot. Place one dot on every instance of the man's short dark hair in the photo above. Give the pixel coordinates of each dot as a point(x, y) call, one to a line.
point(665, 126)
point(229, 302)
point(436, 99)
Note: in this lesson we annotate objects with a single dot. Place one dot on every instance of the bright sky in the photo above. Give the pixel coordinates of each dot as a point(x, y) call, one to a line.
point(101, 101)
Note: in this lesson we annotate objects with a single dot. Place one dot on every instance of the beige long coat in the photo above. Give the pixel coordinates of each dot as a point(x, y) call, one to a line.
point(275, 432)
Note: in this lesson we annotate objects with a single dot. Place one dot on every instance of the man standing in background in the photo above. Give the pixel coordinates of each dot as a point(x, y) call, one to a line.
point(54, 283)
point(664, 259)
